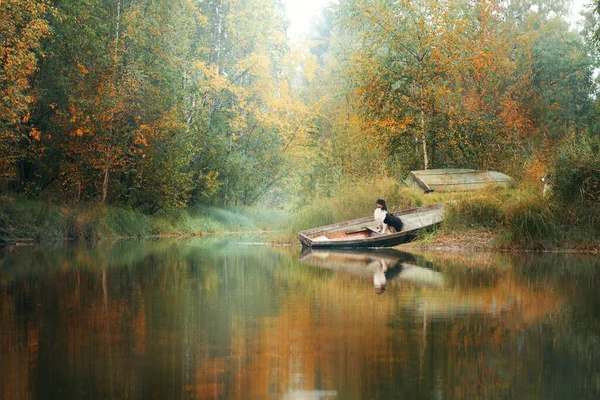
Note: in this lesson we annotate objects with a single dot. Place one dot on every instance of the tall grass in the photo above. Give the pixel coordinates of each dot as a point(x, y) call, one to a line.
point(213, 219)
point(21, 219)
point(532, 222)
point(521, 217)
point(524, 219)
point(353, 200)
point(474, 211)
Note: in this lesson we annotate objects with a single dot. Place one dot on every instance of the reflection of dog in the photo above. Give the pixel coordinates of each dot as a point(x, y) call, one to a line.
point(547, 180)
point(379, 279)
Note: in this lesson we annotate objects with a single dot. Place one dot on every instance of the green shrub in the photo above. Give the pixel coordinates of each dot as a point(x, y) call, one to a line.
point(126, 222)
point(576, 178)
point(533, 223)
point(475, 212)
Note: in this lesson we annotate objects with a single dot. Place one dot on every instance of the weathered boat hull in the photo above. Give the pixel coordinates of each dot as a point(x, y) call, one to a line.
point(452, 180)
point(359, 233)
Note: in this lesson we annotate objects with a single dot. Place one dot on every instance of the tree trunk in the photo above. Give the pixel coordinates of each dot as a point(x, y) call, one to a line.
point(423, 140)
point(118, 22)
point(105, 181)
point(105, 184)
point(77, 190)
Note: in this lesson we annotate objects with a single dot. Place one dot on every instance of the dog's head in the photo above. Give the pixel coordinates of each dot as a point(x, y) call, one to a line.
point(381, 203)
point(547, 178)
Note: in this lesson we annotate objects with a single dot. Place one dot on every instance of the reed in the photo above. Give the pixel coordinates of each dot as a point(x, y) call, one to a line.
point(469, 212)
point(532, 223)
point(352, 200)
point(21, 219)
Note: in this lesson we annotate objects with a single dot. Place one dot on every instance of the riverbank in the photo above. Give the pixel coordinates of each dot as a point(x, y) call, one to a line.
point(514, 219)
point(466, 240)
point(26, 221)
point(483, 240)
point(504, 219)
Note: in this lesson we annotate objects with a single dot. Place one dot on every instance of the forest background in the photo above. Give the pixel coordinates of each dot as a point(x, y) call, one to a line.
point(138, 117)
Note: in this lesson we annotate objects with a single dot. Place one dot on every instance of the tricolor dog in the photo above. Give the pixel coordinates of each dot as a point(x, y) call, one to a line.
point(386, 222)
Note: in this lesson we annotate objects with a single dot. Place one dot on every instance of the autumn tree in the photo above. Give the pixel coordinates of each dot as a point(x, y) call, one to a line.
point(399, 63)
point(23, 24)
point(469, 83)
point(431, 73)
point(484, 115)
point(243, 104)
point(562, 67)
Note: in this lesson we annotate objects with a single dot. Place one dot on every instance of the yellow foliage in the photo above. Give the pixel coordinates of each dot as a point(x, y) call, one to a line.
point(35, 134)
point(82, 69)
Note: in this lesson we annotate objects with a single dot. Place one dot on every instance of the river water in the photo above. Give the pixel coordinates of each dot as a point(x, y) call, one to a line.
point(229, 318)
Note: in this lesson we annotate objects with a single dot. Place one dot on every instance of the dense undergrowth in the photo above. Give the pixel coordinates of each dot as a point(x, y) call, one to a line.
point(520, 217)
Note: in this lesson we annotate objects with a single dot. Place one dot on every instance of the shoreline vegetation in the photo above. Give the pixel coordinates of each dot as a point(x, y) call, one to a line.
point(495, 219)
point(35, 221)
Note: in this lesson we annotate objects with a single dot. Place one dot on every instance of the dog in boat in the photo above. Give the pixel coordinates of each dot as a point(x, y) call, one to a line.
point(386, 222)
point(547, 181)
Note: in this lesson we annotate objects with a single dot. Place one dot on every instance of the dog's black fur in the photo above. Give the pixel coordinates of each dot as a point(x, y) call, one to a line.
point(394, 221)
point(390, 220)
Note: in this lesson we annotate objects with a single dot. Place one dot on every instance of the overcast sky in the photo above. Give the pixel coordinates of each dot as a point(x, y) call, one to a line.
point(300, 13)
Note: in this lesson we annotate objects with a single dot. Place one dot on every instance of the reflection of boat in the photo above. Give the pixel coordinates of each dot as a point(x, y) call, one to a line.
point(362, 233)
point(310, 394)
point(395, 264)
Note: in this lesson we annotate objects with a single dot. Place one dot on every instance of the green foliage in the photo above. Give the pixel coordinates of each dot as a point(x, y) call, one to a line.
point(576, 178)
point(533, 223)
point(23, 25)
point(22, 218)
point(152, 104)
point(562, 79)
point(476, 211)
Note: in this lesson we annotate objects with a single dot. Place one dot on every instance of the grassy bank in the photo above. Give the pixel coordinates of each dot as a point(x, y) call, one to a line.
point(523, 219)
point(355, 200)
point(508, 219)
point(23, 219)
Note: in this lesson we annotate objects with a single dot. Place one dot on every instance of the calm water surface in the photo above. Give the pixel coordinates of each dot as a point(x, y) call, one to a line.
point(229, 319)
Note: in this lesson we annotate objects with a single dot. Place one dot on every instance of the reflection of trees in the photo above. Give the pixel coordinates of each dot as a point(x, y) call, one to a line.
point(179, 320)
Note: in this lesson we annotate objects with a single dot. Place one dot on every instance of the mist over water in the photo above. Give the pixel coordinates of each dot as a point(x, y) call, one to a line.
point(231, 319)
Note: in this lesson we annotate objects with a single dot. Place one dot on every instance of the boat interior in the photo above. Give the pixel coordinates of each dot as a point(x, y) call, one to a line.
point(356, 234)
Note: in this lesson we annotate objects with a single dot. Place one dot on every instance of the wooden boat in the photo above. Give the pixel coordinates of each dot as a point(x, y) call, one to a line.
point(359, 233)
point(453, 180)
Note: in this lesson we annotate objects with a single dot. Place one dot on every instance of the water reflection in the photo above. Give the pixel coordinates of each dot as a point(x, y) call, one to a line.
point(382, 264)
point(224, 319)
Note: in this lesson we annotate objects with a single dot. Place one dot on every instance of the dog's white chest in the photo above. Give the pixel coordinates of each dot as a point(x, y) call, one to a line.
point(379, 215)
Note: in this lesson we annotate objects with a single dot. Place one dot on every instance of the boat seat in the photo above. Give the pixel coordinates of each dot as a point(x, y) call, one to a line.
point(364, 230)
